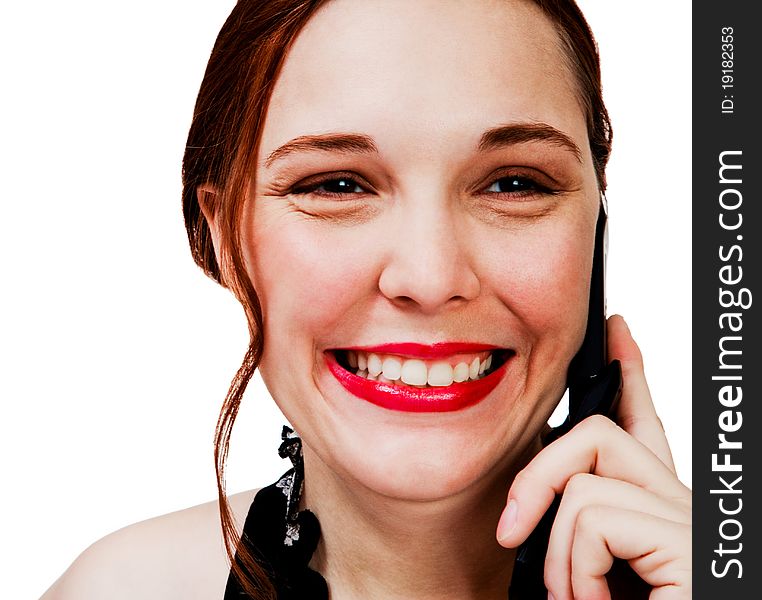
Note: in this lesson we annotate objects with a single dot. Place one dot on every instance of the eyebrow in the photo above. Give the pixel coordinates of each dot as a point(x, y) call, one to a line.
point(519, 133)
point(335, 142)
point(492, 139)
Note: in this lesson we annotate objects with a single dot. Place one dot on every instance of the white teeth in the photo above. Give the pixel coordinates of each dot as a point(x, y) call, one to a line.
point(460, 372)
point(440, 374)
point(374, 364)
point(473, 370)
point(414, 372)
point(395, 370)
point(392, 368)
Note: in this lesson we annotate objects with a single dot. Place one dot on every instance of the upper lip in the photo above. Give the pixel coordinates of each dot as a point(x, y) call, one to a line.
point(431, 351)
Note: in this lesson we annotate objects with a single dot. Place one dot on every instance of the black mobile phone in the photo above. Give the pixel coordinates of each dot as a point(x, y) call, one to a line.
point(595, 386)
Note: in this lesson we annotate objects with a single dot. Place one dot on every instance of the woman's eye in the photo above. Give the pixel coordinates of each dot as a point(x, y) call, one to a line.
point(515, 184)
point(333, 187)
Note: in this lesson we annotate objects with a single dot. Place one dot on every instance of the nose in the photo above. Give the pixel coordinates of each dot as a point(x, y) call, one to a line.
point(428, 265)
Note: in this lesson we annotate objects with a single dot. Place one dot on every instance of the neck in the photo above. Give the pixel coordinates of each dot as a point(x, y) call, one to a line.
point(374, 546)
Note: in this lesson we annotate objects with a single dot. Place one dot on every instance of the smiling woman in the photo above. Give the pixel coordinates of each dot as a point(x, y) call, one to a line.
point(410, 226)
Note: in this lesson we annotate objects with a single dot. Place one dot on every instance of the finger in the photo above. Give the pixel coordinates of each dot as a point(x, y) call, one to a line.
point(597, 445)
point(658, 550)
point(585, 490)
point(636, 413)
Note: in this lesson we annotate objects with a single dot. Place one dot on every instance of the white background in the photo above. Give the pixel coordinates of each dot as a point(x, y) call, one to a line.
point(116, 351)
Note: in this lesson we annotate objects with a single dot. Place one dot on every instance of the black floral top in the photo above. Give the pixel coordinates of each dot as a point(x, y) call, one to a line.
point(283, 548)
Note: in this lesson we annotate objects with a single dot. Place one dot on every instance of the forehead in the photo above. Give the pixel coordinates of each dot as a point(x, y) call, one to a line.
point(437, 71)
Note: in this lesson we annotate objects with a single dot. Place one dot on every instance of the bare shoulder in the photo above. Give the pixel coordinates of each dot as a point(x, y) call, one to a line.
point(178, 555)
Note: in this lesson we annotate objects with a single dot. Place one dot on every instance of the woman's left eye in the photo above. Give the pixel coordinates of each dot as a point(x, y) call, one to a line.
point(516, 184)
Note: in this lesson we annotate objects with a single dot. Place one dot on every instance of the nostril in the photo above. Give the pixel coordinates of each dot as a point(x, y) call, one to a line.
point(408, 303)
point(404, 302)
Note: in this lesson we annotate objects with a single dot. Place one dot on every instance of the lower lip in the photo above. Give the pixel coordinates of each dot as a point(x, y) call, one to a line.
point(411, 399)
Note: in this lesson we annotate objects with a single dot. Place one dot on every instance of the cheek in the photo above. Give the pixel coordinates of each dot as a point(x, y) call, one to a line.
point(306, 281)
point(546, 281)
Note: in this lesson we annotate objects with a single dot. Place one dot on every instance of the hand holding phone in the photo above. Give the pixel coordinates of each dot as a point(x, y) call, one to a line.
point(621, 497)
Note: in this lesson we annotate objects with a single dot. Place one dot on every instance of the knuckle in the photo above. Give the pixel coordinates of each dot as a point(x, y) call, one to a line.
point(598, 425)
point(588, 518)
point(602, 422)
point(527, 477)
point(578, 484)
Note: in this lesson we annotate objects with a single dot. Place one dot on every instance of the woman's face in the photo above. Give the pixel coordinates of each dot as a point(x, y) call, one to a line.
point(424, 176)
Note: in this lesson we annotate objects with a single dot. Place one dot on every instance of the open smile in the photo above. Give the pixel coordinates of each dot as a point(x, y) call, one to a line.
point(420, 378)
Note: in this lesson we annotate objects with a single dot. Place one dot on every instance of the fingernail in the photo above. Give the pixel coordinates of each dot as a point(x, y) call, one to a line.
point(507, 520)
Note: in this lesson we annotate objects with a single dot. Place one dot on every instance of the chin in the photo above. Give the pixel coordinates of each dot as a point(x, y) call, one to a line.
point(416, 467)
point(422, 457)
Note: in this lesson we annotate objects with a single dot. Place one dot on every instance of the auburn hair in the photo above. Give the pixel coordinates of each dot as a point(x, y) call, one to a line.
point(218, 168)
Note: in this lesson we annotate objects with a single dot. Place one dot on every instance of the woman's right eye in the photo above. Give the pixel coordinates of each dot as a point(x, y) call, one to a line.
point(332, 187)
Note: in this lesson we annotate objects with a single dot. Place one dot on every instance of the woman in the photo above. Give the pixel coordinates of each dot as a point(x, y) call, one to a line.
point(395, 190)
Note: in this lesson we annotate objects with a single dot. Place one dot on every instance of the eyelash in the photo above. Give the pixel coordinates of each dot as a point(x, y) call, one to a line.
point(311, 187)
point(304, 189)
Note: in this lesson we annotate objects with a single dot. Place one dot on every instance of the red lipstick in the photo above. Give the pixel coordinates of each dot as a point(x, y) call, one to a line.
point(453, 397)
